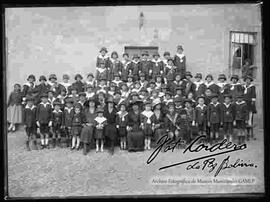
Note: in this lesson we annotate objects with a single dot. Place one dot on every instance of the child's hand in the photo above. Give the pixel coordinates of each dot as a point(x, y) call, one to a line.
point(38, 130)
point(208, 124)
point(117, 126)
point(234, 123)
point(50, 124)
point(193, 123)
point(62, 127)
point(25, 126)
point(221, 123)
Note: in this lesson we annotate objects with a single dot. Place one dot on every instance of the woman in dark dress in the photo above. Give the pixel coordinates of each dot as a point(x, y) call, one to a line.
point(110, 114)
point(88, 129)
point(135, 137)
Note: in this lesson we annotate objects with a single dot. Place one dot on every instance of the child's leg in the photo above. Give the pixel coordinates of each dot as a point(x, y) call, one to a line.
point(78, 142)
point(28, 139)
point(73, 142)
point(54, 139)
point(124, 142)
point(149, 142)
point(97, 145)
point(34, 138)
point(145, 143)
point(84, 148)
point(42, 140)
point(47, 139)
point(59, 139)
point(101, 145)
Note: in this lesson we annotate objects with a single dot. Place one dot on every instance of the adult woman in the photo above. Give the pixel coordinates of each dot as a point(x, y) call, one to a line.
point(88, 130)
point(135, 136)
point(158, 121)
point(110, 129)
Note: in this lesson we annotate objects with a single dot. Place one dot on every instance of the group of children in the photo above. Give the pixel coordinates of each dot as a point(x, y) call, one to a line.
point(168, 98)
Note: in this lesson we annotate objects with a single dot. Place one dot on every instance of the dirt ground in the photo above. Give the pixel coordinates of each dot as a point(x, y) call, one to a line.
point(60, 172)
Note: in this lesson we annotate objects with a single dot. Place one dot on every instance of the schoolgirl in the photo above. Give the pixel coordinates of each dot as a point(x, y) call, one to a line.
point(99, 122)
point(121, 124)
point(57, 121)
point(115, 66)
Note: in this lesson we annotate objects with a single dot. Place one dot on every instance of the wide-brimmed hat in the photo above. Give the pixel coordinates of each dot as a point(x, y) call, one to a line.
point(166, 53)
point(137, 102)
point(214, 95)
point(44, 95)
point(187, 100)
point(248, 77)
point(90, 74)
point(222, 76)
point(78, 75)
point(99, 110)
point(209, 75)
point(114, 53)
point(52, 76)
point(198, 75)
point(188, 73)
point(136, 56)
point(180, 47)
point(178, 99)
point(104, 49)
point(125, 54)
point(110, 100)
point(82, 94)
point(200, 96)
point(42, 77)
point(29, 98)
point(235, 77)
point(122, 103)
point(155, 103)
point(31, 76)
point(65, 76)
point(69, 100)
point(145, 53)
point(156, 54)
point(227, 95)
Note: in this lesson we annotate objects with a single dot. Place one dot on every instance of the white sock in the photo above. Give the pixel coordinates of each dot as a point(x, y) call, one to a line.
point(73, 141)
point(42, 141)
point(78, 142)
point(101, 146)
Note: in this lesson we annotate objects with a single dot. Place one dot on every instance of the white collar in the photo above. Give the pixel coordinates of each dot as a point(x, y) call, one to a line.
point(27, 107)
point(239, 103)
point(209, 84)
point(29, 84)
point(47, 103)
point(100, 119)
point(227, 105)
point(117, 81)
point(180, 55)
point(65, 84)
point(60, 111)
point(248, 86)
point(125, 62)
point(156, 61)
point(136, 62)
point(103, 57)
point(114, 60)
point(201, 106)
point(101, 70)
point(122, 113)
point(198, 82)
point(215, 104)
point(69, 109)
point(148, 114)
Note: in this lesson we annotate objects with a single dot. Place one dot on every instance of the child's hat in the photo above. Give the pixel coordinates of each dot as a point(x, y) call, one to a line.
point(137, 102)
point(158, 75)
point(125, 54)
point(42, 77)
point(143, 89)
point(102, 62)
point(29, 98)
point(171, 103)
point(136, 56)
point(170, 58)
point(228, 95)
point(57, 103)
point(52, 76)
point(155, 103)
point(130, 76)
point(198, 75)
point(209, 75)
point(65, 76)
point(145, 53)
point(178, 99)
point(187, 100)
point(92, 99)
point(214, 95)
point(248, 77)
point(69, 100)
point(82, 94)
point(44, 95)
point(73, 88)
point(166, 53)
point(156, 54)
point(200, 96)
point(103, 49)
point(168, 93)
point(114, 53)
point(63, 90)
point(110, 100)
point(134, 94)
point(152, 81)
point(78, 75)
point(31, 76)
point(222, 76)
point(99, 110)
point(103, 78)
point(89, 86)
point(142, 74)
point(240, 96)
point(90, 74)
point(180, 47)
point(116, 74)
point(188, 73)
point(235, 77)
point(78, 106)
point(147, 102)
point(50, 91)
point(179, 88)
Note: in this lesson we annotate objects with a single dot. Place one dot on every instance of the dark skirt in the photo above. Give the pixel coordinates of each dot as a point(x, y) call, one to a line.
point(87, 134)
point(111, 131)
point(44, 128)
point(147, 131)
point(76, 131)
point(251, 107)
point(99, 134)
point(122, 131)
point(56, 128)
point(214, 127)
point(228, 127)
point(31, 130)
point(135, 141)
point(202, 126)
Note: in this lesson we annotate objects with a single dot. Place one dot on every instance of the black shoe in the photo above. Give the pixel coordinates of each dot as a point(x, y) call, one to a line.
point(42, 146)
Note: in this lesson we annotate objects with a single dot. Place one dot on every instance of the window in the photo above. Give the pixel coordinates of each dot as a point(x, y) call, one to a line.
point(131, 50)
point(242, 48)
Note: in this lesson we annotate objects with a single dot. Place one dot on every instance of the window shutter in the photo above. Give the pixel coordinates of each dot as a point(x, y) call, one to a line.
point(244, 38)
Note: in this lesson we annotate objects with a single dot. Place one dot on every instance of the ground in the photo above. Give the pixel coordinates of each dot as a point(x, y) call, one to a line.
point(61, 172)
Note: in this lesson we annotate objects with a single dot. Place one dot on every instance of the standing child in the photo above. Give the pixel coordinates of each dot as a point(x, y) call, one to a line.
point(209, 83)
point(235, 88)
point(201, 115)
point(65, 83)
point(190, 118)
point(82, 100)
point(78, 84)
point(76, 126)
point(99, 123)
point(214, 117)
point(200, 86)
point(117, 80)
point(90, 92)
point(57, 120)
point(115, 65)
point(51, 97)
point(67, 119)
point(170, 121)
point(146, 124)
point(223, 87)
point(29, 87)
point(228, 117)
point(102, 58)
point(180, 61)
point(43, 120)
point(14, 110)
point(90, 80)
point(145, 65)
point(241, 118)
point(156, 66)
point(121, 124)
point(143, 81)
point(166, 56)
point(190, 86)
point(169, 71)
point(74, 96)
point(126, 68)
point(29, 121)
point(135, 67)
point(250, 98)
point(130, 81)
point(102, 73)
point(55, 86)
point(43, 87)
point(61, 98)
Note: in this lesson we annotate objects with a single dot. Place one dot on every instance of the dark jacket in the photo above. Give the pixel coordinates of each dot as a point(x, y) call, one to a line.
point(15, 98)
point(44, 113)
point(29, 116)
point(214, 113)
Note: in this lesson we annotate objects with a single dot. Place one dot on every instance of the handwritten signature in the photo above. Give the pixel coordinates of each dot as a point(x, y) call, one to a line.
point(166, 143)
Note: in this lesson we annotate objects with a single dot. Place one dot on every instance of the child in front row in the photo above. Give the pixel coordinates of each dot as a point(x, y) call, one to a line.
point(43, 120)
point(201, 115)
point(29, 121)
point(121, 124)
point(57, 120)
point(99, 123)
point(68, 114)
point(146, 123)
point(76, 127)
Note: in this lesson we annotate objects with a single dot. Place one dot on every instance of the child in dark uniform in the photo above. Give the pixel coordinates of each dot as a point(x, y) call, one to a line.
point(241, 118)
point(43, 119)
point(201, 115)
point(146, 124)
point(228, 116)
point(121, 124)
point(67, 119)
point(76, 127)
point(57, 120)
point(102, 58)
point(99, 123)
point(29, 121)
point(235, 88)
point(214, 117)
